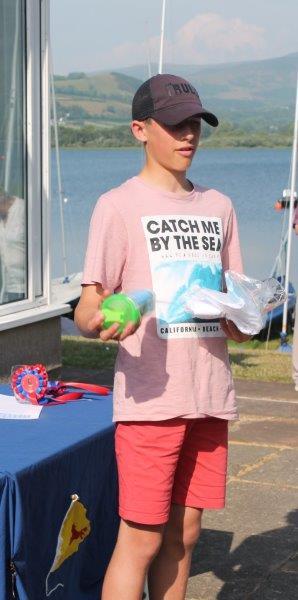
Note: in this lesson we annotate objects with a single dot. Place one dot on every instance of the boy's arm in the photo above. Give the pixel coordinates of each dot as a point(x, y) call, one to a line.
point(232, 332)
point(89, 318)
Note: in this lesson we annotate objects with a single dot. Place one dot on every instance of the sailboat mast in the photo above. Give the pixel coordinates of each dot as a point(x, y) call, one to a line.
point(162, 34)
point(148, 52)
point(291, 210)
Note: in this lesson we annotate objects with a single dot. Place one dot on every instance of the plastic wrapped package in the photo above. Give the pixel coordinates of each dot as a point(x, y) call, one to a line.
point(245, 302)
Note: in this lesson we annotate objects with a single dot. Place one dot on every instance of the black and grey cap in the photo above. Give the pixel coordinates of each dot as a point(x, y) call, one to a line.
point(169, 100)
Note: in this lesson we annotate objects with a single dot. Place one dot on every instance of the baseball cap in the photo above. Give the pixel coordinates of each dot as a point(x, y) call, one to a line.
point(169, 99)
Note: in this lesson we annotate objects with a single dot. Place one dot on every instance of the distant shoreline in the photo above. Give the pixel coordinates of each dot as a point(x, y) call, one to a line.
point(120, 136)
point(203, 146)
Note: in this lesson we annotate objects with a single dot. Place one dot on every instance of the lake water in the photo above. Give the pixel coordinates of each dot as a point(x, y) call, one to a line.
point(253, 178)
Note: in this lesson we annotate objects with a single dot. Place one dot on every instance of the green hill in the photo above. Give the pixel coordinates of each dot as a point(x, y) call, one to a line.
point(105, 97)
point(255, 97)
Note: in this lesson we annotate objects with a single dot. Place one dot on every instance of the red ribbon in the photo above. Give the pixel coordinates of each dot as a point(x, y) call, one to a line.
point(58, 394)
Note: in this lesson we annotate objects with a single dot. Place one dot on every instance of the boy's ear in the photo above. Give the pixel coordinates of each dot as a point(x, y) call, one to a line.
point(139, 130)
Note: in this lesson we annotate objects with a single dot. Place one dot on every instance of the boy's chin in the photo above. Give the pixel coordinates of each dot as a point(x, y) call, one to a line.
point(184, 164)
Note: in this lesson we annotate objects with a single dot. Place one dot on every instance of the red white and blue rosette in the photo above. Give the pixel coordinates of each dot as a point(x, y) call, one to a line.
point(29, 382)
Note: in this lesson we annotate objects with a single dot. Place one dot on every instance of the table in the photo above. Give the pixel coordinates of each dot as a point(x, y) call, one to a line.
point(69, 449)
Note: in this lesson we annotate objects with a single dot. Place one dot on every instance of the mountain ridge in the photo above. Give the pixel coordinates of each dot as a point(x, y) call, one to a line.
point(250, 93)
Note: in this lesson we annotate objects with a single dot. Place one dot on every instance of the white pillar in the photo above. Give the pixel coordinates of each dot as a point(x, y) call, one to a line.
point(291, 211)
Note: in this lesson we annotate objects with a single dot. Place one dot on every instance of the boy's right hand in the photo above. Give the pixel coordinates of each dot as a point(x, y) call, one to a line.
point(112, 333)
point(89, 318)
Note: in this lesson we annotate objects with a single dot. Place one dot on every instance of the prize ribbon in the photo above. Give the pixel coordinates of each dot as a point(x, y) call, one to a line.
point(30, 383)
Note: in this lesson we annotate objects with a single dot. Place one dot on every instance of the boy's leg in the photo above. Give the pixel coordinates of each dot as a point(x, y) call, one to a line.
point(136, 547)
point(147, 455)
point(200, 481)
point(169, 571)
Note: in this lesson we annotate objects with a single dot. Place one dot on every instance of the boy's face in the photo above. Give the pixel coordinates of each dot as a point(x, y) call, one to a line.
point(173, 147)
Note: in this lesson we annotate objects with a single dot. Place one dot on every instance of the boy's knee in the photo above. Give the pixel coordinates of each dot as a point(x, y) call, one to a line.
point(184, 540)
point(183, 534)
point(191, 536)
point(150, 548)
point(146, 540)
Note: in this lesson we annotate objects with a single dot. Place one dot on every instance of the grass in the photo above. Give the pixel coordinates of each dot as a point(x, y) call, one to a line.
point(87, 353)
point(249, 361)
point(260, 365)
point(252, 361)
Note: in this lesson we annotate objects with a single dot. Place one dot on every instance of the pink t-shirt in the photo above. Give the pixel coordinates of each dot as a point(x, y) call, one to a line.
point(142, 237)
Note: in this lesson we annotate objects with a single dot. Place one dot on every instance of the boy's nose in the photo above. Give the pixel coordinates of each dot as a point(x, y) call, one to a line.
point(188, 132)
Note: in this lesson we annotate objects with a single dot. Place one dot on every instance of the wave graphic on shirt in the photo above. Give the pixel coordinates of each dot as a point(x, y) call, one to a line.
point(175, 278)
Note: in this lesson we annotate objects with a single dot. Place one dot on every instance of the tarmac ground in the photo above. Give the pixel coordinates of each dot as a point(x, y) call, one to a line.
point(249, 550)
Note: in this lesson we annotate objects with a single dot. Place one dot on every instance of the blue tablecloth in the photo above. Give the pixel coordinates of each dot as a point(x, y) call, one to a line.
point(68, 450)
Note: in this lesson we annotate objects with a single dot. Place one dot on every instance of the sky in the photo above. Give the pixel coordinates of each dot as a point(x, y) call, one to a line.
point(97, 35)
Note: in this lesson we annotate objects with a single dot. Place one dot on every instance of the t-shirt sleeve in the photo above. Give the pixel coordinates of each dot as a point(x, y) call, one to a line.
point(231, 254)
point(106, 248)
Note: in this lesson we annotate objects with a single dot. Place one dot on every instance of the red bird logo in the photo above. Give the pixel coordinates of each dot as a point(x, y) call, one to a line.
point(77, 534)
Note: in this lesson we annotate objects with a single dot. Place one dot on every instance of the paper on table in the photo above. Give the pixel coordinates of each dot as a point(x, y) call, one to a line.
point(10, 408)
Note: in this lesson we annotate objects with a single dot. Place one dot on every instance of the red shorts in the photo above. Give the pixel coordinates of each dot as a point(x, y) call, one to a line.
point(179, 461)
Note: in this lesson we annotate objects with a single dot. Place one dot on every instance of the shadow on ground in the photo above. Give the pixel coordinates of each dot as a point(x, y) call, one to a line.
point(241, 359)
point(263, 566)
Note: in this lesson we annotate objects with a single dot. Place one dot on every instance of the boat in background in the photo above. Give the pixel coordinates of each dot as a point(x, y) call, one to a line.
point(281, 269)
point(275, 317)
point(65, 289)
point(67, 292)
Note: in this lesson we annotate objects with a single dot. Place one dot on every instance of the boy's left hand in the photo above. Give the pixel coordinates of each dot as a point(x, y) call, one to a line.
point(232, 332)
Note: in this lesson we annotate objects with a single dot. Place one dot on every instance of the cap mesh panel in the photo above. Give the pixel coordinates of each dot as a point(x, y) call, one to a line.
point(142, 104)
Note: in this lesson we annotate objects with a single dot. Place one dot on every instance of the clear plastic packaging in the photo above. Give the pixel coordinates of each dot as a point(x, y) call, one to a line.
point(246, 301)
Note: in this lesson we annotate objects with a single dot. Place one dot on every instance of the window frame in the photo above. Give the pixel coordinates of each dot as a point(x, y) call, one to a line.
point(37, 156)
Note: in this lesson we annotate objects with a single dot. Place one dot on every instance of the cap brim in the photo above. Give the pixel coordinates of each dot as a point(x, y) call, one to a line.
point(176, 114)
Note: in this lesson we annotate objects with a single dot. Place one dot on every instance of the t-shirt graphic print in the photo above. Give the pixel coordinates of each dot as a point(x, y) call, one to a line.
point(183, 250)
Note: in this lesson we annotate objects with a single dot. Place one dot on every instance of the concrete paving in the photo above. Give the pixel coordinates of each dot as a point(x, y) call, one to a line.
point(249, 551)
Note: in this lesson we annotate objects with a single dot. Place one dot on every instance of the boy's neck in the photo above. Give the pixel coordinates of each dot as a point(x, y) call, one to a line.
point(170, 181)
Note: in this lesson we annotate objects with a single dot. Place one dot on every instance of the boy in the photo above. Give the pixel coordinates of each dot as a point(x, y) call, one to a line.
point(173, 392)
